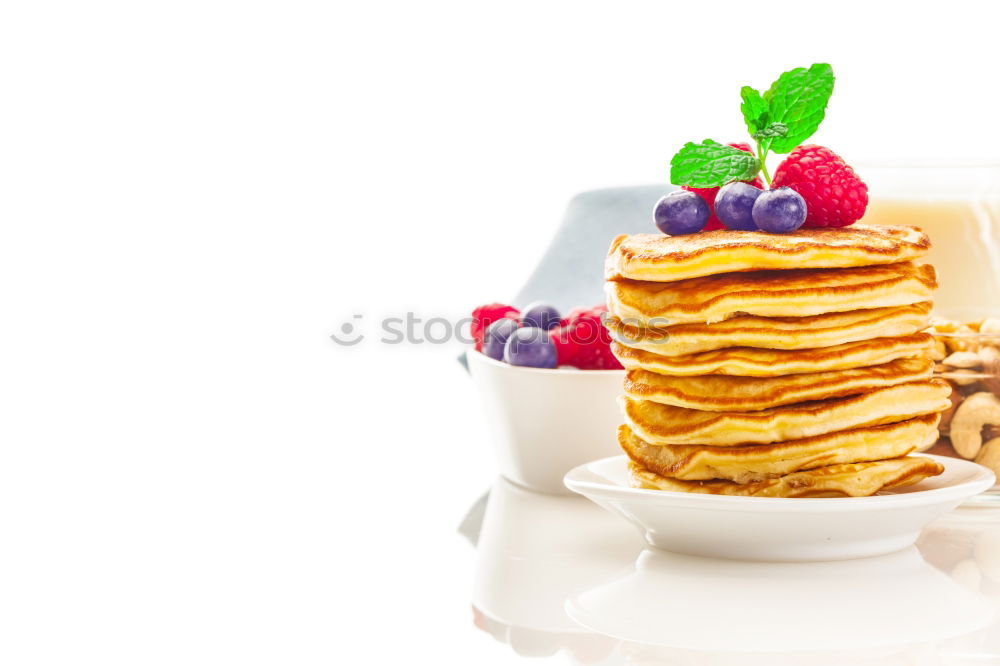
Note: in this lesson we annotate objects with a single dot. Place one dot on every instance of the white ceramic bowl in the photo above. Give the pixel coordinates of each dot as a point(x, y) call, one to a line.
point(546, 422)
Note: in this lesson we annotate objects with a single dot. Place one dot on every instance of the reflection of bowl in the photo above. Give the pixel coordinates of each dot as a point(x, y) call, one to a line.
point(546, 422)
point(534, 550)
point(580, 646)
point(970, 361)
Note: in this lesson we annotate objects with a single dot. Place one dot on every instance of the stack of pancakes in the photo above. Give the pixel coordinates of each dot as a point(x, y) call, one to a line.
point(776, 365)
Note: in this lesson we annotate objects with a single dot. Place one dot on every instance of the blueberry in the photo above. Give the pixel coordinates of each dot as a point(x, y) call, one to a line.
point(496, 336)
point(779, 211)
point(541, 315)
point(734, 203)
point(530, 347)
point(681, 212)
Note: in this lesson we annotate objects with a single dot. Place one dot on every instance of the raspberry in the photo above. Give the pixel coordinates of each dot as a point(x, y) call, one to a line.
point(578, 312)
point(582, 341)
point(835, 196)
point(485, 315)
point(565, 346)
point(592, 340)
point(573, 315)
point(708, 193)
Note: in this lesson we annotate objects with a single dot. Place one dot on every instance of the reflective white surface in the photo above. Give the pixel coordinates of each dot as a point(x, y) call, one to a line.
point(558, 579)
point(196, 194)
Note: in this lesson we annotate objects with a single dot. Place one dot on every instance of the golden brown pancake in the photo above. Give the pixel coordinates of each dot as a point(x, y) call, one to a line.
point(755, 362)
point(790, 293)
point(746, 464)
point(720, 393)
point(664, 424)
point(816, 331)
point(661, 258)
point(845, 480)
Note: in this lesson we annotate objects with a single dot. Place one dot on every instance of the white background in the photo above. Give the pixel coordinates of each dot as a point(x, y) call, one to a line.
point(194, 195)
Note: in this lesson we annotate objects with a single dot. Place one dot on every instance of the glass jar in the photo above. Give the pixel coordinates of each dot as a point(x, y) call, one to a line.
point(958, 205)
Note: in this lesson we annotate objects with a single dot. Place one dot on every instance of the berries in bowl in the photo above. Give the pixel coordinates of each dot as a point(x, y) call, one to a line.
point(549, 383)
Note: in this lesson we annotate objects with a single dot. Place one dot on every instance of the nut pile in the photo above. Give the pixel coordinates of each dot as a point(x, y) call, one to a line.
point(967, 354)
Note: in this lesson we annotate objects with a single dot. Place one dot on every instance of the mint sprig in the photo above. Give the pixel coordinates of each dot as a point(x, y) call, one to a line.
point(754, 108)
point(779, 120)
point(798, 99)
point(710, 163)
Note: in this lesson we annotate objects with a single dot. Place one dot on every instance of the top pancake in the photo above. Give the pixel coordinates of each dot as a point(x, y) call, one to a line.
point(662, 258)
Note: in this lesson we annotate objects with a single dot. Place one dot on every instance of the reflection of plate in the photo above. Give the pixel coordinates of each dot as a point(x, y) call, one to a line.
point(775, 529)
point(695, 603)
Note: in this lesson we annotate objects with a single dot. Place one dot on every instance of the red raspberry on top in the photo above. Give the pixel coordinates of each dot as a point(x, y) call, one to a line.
point(708, 193)
point(485, 315)
point(835, 196)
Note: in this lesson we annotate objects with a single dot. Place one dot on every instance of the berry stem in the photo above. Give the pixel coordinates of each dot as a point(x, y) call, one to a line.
point(762, 155)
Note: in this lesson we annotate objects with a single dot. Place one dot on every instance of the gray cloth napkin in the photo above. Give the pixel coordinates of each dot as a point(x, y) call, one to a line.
point(569, 273)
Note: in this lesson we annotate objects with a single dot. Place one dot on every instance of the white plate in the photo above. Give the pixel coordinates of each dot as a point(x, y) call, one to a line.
point(778, 529)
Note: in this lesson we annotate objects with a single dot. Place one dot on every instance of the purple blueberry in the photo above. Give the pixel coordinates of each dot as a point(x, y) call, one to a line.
point(530, 347)
point(779, 211)
point(681, 212)
point(734, 205)
point(496, 337)
point(541, 315)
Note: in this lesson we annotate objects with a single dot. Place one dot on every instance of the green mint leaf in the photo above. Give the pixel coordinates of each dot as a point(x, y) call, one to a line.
point(710, 164)
point(798, 99)
point(754, 109)
point(771, 131)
